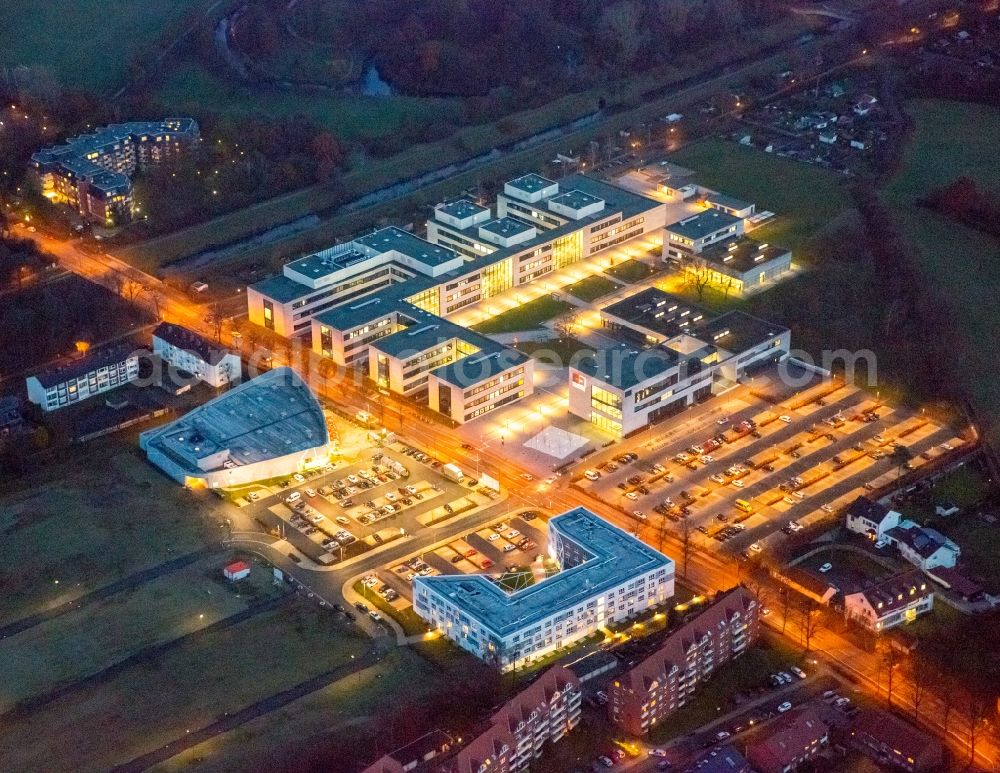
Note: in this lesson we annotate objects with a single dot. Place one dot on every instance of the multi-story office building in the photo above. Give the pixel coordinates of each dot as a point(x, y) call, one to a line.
point(92, 172)
point(738, 266)
point(97, 372)
point(187, 351)
point(661, 684)
point(674, 355)
point(266, 427)
point(694, 233)
point(606, 575)
point(377, 302)
point(893, 601)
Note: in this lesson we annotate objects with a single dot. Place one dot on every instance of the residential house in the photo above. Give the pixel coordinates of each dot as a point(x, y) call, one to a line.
point(888, 740)
point(891, 602)
point(923, 546)
point(794, 739)
point(871, 518)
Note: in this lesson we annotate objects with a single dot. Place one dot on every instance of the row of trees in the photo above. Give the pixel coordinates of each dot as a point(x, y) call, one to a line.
point(468, 47)
point(964, 201)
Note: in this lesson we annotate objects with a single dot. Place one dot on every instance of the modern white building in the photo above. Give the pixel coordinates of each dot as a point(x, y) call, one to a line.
point(93, 374)
point(191, 353)
point(380, 303)
point(606, 575)
point(268, 427)
point(894, 601)
point(738, 266)
point(674, 354)
point(696, 232)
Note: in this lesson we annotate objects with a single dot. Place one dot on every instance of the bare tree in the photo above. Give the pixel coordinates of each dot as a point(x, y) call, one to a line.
point(786, 602)
point(157, 301)
point(216, 319)
point(127, 288)
point(890, 661)
point(977, 710)
point(698, 275)
point(685, 544)
point(810, 622)
point(920, 679)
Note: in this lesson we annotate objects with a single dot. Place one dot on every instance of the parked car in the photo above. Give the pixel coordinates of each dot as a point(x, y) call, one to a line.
point(826, 568)
point(786, 706)
point(591, 474)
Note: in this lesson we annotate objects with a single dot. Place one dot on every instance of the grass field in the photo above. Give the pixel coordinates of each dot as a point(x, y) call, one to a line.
point(591, 288)
point(952, 139)
point(409, 621)
point(101, 33)
point(191, 89)
point(154, 702)
point(631, 271)
point(85, 641)
point(76, 525)
point(526, 317)
point(805, 198)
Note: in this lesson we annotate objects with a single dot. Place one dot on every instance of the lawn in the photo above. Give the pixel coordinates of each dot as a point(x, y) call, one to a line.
point(805, 198)
point(77, 524)
point(154, 702)
point(952, 139)
point(525, 317)
point(715, 697)
point(85, 641)
point(591, 288)
point(193, 89)
point(554, 351)
point(631, 271)
point(85, 43)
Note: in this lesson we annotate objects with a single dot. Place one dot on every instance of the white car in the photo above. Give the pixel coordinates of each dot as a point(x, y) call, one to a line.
point(788, 501)
point(798, 672)
point(765, 611)
point(493, 537)
point(826, 508)
point(354, 479)
point(507, 548)
point(295, 496)
point(513, 534)
point(795, 526)
point(947, 447)
point(786, 706)
point(527, 476)
point(786, 419)
point(639, 514)
point(549, 480)
point(310, 492)
point(722, 735)
point(591, 474)
point(299, 478)
point(723, 420)
point(882, 544)
point(390, 497)
point(798, 495)
point(343, 521)
point(708, 458)
point(756, 547)
point(826, 568)
point(738, 483)
point(632, 495)
point(718, 479)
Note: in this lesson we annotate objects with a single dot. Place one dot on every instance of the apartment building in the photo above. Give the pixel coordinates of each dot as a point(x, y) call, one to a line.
point(191, 353)
point(517, 733)
point(888, 740)
point(606, 575)
point(93, 374)
point(891, 602)
point(664, 682)
point(92, 172)
point(796, 738)
point(673, 355)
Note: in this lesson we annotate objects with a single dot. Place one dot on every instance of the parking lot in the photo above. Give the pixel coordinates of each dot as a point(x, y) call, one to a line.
point(511, 550)
point(787, 464)
point(343, 510)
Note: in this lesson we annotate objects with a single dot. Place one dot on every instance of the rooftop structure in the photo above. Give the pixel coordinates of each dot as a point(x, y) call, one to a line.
point(889, 740)
point(76, 379)
point(797, 737)
point(267, 427)
point(595, 559)
point(695, 227)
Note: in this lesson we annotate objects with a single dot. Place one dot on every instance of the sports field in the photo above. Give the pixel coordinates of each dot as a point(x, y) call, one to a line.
point(100, 34)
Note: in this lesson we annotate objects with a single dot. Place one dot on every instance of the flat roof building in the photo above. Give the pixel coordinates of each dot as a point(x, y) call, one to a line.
point(606, 575)
point(365, 303)
point(695, 232)
point(738, 266)
point(673, 355)
point(72, 382)
point(267, 427)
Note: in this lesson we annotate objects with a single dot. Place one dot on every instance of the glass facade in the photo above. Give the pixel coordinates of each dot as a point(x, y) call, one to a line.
point(429, 300)
point(568, 249)
point(498, 277)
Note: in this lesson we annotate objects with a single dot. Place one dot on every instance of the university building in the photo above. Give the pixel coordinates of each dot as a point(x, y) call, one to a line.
point(665, 681)
point(606, 575)
point(380, 303)
point(92, 172)
point(674, 354)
